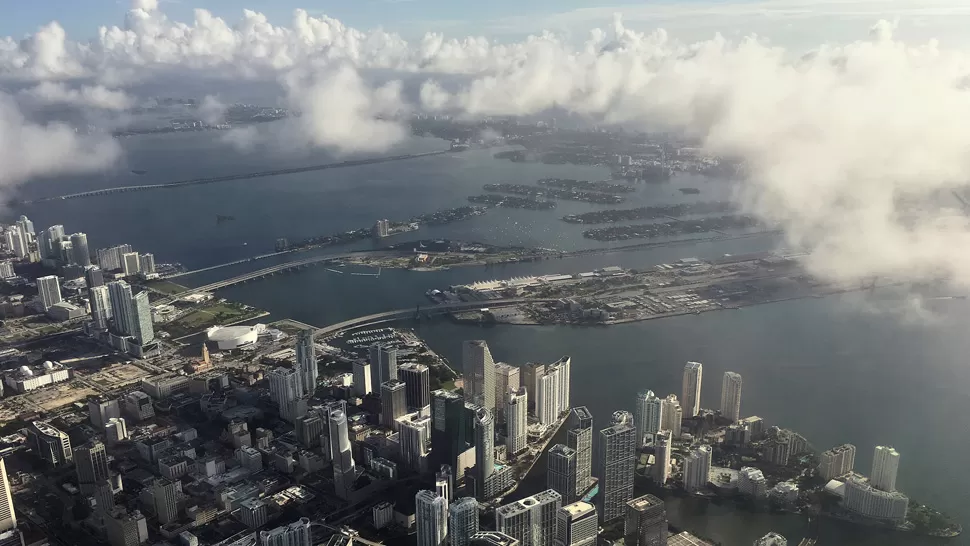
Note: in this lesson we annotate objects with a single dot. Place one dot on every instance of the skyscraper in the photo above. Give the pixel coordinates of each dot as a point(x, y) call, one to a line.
point(166, 494)
point(17, 241)
point(102, 409)
point(517, 410)
point(49, 291)
point(660, 472)
point(836, 462)
point(253, 513)
point(344, 471)
point(479, 370)
point(25, 225)
point(885, 464)
point(130, 263)
point(295, 534)
point(444, 482)
point(552, 391)
point(417, 381)
point(506, 380)
point(450, 431)
point(649, 415)
point(462, 520)
point(146, 263)
point(100, 306)
point(8, 517)
point(142, 329)
point(617, 456)
point(731, 396)
point(561, 472)
point(414, 437)
point(532, 520)
point(693, 374)
point(393, 402)
point(91, 461)
point(80, 253)
point(646, 522)
point(673, 415)
point(122, 311)
point(697, 469)
point(115, 430)
point(306, 362)
point(93, 276)
point(362, 379)
point(383, 365)
point(50, 444)
point(484, 447)
point(431, 518)
point(528, 375)
point(284, 389)
point(580, 437)
point(576, 525)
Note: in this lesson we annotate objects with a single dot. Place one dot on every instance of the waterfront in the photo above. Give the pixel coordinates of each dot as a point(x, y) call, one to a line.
point(828, 368)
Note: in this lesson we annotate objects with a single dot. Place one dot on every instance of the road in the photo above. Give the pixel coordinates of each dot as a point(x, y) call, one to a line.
point(240, 176)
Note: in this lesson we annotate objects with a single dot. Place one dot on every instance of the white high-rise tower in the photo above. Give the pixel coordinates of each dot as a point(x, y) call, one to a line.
point(344, 471)
point(648, 417)
point(479, 370)
point(885, 464)
point(431, 518)
point(731, 396)
point(691, 399)
point(306, 362)
point(8, 518)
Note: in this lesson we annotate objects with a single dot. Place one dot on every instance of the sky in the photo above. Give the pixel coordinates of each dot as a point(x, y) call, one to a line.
point(794, 23)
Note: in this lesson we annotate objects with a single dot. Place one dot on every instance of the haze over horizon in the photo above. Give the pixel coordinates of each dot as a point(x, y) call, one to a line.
point(834, 135)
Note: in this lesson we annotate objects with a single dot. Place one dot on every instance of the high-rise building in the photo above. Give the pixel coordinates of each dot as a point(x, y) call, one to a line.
point(126, 528)
point(576, 525)
point(528, 375)
point(17, 241)
point(306, 362)
point(561, 472)
point(462, 520)
point(100, 306)
point(693, 374)
point(660, 472)
point(731, 396)
point(431, 518)
point(506, 380)
point(862, 499)
point(697, 469)
point(8, 517)
point(771, 539)
point(532, 520)
point(50, 444)
point(552, 391)
point(417, 381)
point(484, 448)
point(100, 410)
point(146, 263)
point(414, 438)
point(617, 456)
point(80, 253)
point(885, 464)
point(65, 252)
point(142, 328)
point(444, 482)
point(91, 462)
point(25, 225)
point(308, 429)
point(646, 522)
point(115, 430)
point(451, 430)
point(362, 379)
point(648, 417)
point(253, 512)
point(492, 538)
point(673, 415)
point(49, 291)
point(344, 471)
point(122, 311)
point(383, 365)
point(93, 276)
point(6, 269)
point(284, 389)
point(166, 494)
point(110, 259)
point(751, 482)
point(479, 371)
point(295, 534)
point(131, 263)
point(393, 402)
point(836, 462)
point(580, 437)
point(517, 411)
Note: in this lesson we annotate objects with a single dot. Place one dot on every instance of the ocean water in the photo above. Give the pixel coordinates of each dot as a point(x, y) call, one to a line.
point(858, 368)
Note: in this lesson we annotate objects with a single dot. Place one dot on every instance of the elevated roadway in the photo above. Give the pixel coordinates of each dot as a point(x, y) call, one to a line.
point(240, 176)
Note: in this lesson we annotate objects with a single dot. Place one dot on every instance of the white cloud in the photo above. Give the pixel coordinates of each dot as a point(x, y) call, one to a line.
point(30, 150)
point(86, 96)
point(212, 110)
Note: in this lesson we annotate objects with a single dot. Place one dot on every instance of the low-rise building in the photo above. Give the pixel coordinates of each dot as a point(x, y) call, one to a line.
point(27, 378)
